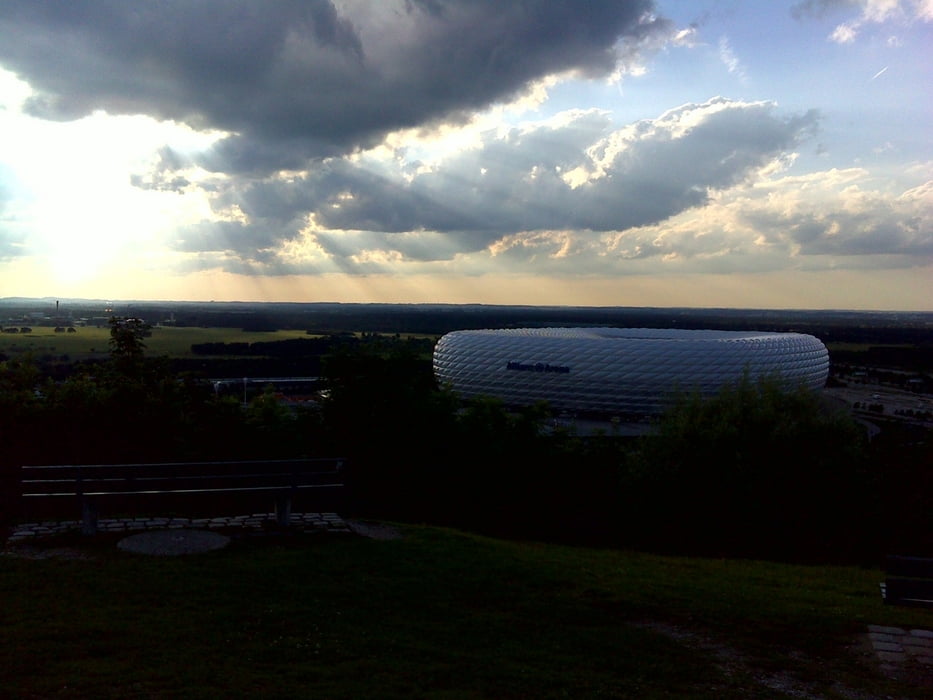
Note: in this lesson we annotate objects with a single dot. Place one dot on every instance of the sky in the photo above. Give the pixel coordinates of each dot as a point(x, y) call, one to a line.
point(697, 153)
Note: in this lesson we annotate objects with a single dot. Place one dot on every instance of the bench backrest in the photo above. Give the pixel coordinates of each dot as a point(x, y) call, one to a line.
point(912, 567)
point(909, 581)
point(179, 477)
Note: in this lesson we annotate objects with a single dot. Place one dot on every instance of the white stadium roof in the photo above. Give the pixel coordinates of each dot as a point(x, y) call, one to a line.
point(629, 371)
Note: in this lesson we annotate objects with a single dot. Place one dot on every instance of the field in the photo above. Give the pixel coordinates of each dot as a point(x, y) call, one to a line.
point(436, 614)
point(863, 347)
point(92, 342)
point(86, 343)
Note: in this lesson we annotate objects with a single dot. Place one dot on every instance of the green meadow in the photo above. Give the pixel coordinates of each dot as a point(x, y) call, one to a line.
point(89, 342)
point(436, 614)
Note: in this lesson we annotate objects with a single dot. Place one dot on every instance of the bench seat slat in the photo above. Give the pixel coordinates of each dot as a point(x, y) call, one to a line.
point(259, 476)
point(318, 464)
point(187, 483)
point(138, 492)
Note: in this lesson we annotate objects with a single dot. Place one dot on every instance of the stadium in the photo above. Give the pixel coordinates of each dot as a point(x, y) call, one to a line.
point(619, 371)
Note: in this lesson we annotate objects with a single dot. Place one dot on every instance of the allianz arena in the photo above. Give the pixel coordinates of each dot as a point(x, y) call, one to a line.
point(625, 371)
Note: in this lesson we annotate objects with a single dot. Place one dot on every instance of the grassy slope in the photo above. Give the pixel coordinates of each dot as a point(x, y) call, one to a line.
point(437, 614)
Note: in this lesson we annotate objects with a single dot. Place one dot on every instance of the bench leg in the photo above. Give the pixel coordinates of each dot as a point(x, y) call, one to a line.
point(88, 517)
point(283, 510)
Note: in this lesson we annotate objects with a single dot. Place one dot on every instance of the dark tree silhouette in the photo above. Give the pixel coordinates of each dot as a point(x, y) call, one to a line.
point(126, 337)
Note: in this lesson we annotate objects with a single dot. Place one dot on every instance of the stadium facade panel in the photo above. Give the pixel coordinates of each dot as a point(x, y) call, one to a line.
point(631, 371)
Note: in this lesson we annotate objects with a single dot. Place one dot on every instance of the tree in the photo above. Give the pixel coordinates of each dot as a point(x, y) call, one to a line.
point(759, 470)
point(126, 337)
point(384, 412)
point(127, 348)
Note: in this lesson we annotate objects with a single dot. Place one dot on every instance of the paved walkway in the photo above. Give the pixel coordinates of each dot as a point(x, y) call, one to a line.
point(897, 647)
point(301, 522)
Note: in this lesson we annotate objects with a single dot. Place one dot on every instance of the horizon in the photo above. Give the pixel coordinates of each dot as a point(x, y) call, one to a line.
point(13, 300)
point(646, 153)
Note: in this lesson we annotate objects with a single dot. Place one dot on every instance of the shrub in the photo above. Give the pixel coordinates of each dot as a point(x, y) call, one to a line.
point(756, 471)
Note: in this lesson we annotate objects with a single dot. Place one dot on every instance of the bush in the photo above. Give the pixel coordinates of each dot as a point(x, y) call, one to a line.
point(756, 471)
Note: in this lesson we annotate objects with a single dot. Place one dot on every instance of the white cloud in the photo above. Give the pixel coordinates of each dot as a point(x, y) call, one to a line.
point(685, 37)
point(881, 12)
point(844, 33)
point(830, 220)
point(730, 60)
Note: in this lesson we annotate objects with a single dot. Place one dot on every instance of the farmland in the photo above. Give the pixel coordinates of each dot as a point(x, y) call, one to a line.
point(90, 342)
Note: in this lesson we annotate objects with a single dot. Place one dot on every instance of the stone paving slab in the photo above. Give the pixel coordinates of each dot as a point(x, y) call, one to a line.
point(885, 637)
point(919, 642)
point(896, 648)
point(302, 522)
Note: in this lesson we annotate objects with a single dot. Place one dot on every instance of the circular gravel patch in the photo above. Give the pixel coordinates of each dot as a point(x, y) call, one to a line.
point(173, 542)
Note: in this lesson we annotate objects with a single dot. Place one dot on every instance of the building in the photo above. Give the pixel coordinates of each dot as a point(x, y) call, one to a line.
point(619, 371)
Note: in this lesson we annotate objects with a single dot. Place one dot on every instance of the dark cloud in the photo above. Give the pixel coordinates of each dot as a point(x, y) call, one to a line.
point(235, 236)
point(574, 174)
point(820, 8)
point(296, 79)
point(876, 229)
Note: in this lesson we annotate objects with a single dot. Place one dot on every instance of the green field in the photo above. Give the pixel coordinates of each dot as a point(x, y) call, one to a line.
point(863, 347)
point(87, 343)
point(91, 342)
point(437, 614)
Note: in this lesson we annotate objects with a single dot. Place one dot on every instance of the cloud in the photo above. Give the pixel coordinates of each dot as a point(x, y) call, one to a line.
point(301, 79)
point(820, 221)
point(730, 60)
point(844, 33)
point(826, 219)
point(877, 12)
point(12, 244)
point(574, 172)
point(346, 136)
point(859, 222)
point(11, 239)
point(820, 8)
point(836, 219)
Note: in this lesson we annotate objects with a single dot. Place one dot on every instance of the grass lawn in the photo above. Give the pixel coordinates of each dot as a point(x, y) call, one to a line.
point(437, 614)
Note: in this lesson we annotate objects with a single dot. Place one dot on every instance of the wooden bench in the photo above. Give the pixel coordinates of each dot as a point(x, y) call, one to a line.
point(92, 484)
point(908, 582)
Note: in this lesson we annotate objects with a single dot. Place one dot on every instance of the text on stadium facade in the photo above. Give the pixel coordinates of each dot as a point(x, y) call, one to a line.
point(538, 367)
